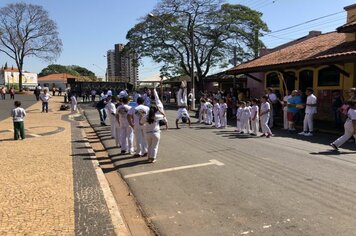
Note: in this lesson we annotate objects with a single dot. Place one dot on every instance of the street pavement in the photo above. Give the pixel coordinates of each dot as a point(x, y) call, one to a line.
point(210, 181)
point(48, 183)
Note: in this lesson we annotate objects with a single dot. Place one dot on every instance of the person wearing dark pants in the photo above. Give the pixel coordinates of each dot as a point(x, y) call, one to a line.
point(44, 98)
point(100, 106)
point(18, 115)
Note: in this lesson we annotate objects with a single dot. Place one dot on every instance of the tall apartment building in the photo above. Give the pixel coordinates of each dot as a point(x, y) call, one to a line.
point(110, 56)
point(121, 65)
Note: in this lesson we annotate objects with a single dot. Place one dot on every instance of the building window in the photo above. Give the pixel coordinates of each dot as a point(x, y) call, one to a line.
point(272, 80)
point(328, 77)
point(305, 80)
point(289, 78)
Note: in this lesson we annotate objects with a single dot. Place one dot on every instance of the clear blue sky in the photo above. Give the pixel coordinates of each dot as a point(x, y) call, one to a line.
point(88, 28)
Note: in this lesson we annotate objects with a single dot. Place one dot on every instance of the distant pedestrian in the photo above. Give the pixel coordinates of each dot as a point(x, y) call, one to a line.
point(74, 103)
point(111, 111)
point(37, 92)
point(12, 93)
point(310, 111)
point(216, 110)
point(3, 93)
point(53, 91)
point(18, 114)
point(245, 118)
point(255, 120)
point(223, 113)
point(45, 96)
point(126, 131)
point(292, 109)
point(238, 117)
point(60, 91)
point(349, 126)
point(93, 95)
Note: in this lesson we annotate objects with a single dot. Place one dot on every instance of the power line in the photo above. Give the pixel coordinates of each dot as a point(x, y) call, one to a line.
point(306, 22)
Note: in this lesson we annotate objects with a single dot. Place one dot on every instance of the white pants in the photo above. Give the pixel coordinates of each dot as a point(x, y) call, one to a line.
point(264, 124)
point(216, 119)
point(141, 144)
point(255, 125)
point(285, 120)
point(245, 125)
point(238, 125)
point(347, 135)
point(126, 139)
point(117, 136)
point(223, 120)
point(152, 144)
point(201, 115)
point(308, 122)
point(113, 125)
point(209, 117)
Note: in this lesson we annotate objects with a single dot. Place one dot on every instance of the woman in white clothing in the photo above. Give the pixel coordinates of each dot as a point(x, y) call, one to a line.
point(152, 130)
point(350, 126)
point(264, 116)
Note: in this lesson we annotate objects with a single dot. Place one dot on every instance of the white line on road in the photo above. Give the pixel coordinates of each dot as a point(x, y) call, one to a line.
point(211, 162)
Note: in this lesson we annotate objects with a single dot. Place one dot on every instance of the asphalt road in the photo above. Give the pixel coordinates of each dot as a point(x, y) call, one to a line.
point(7, 104)
point(285, 185)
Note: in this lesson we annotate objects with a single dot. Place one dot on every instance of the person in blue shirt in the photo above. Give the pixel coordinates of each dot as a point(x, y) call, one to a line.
point(293, 103)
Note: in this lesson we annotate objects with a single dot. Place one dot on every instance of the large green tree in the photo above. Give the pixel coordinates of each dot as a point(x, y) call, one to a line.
point(213, 27)
point(26, 30)
point(72, 70)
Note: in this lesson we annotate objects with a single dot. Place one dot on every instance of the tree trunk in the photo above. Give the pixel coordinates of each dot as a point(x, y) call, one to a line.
point(20, 76)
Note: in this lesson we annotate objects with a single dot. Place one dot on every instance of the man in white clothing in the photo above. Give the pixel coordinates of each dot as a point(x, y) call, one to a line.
point(111, 111)
point(126, 131)
point(182, 99)
point(310, 110)
point(134, 117)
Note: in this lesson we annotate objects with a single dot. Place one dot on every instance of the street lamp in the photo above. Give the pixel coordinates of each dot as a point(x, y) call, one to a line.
point(106, 74)
point(192, 51)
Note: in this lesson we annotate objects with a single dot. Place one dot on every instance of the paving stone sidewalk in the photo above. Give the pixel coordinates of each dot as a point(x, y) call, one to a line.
point(48, 185)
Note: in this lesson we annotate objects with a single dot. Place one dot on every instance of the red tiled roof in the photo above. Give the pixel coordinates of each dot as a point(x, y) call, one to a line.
point(9, 69)
point(303, 52)
point(52, 77)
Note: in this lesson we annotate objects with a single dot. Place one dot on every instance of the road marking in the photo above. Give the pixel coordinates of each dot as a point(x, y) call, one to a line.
point(211, 162)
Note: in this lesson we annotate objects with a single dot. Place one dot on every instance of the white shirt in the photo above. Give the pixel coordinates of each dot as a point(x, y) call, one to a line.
point(272, 97)
point(311, 99)
point(216, 108)
point(154, 126)
point(245, 113)
point(351, 114)
point(254, 111)
point(109, 93)
point(44, 97)
point(135, 112)
point(285, 100)
point(208, 106)
point(19, 113)
point(223, 107)
point(123, 111)
point(265, 107)
point(238, 113)
point(73, 100)
point(110, 107)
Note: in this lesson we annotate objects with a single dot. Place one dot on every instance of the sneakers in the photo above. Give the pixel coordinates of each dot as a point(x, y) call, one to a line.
point(302, 133)
point(334, 146)
point(308, 134)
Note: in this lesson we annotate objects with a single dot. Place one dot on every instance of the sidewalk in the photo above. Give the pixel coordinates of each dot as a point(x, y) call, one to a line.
point(48, 182)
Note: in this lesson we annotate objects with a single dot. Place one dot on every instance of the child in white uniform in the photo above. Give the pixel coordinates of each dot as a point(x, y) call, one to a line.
point(222, 113)
point(201, 110)
point(216, 110)
point(245, 118)
point(349, 126)
point(152, 132)
point(126, 131)
point(73, 101)
point(209, 112)
point(111, 111)
point(238, 117)
point(264, 116)
point(255, 120)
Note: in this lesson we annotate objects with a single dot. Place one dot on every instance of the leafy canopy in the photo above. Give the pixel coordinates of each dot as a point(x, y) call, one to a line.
point(214, 28)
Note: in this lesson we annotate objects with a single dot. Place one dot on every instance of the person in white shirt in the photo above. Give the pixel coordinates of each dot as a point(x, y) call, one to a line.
point(216, 110)
point(134, 117)
point(245, 118)
point(284, 104)
point(255, 120)
point(109, 93)
point(160, 107)
point(182, 105)
point(18, 114)
point(349, 126)
point(111, 112)
point(238, 117)
point(264, 116)
point(272, 99)
point(310, 111)
point(201, 110)
point(150, 122)
point(74, 103)
point(45, 98)
point(208, 107)
point(126, 131)
point(223, 113)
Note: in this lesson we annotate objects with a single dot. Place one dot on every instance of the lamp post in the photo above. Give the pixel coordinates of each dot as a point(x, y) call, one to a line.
point(106, 74)
point(192, 52)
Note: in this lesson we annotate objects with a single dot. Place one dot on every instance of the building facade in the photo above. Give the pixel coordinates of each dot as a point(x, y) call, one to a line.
point(10, 77)
point(121, 65)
